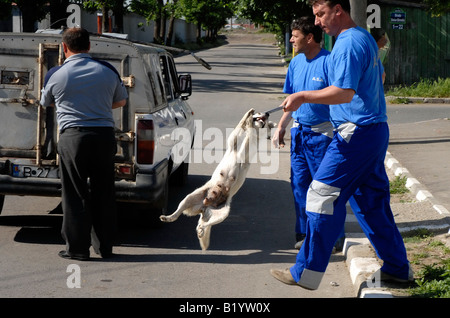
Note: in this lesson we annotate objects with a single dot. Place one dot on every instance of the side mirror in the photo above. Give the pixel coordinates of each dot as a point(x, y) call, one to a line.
point(185, 84)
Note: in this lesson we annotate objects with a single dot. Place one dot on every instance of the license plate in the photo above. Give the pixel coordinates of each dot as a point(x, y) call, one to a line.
point(23, 171)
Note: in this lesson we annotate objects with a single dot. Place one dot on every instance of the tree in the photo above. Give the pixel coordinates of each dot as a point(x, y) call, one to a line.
point(210, 15)
point(118, 7)
point(151, 10)
point(274, 15)
point(173, 13)
point(32, 11)
point(438, 7)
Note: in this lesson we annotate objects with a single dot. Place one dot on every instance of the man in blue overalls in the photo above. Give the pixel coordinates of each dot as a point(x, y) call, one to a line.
point(354, 161)
point(312, 130)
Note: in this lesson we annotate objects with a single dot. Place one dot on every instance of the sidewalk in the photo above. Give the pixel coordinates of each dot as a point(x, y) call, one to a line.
point(424, 149)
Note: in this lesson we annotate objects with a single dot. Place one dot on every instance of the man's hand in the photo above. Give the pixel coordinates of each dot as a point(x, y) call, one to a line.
point(278, 138)
point(293, 102)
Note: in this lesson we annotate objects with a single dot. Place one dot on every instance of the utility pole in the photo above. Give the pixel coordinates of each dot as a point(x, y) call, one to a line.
point(359, 12)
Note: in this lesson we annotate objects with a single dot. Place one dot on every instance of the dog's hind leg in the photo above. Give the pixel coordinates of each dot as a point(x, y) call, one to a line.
point(190, 205)
point(238, 131)
point(216, 216)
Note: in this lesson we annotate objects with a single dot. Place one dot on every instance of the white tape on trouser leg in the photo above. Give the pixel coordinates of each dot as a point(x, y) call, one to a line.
point(310, 279)
point(320, 197)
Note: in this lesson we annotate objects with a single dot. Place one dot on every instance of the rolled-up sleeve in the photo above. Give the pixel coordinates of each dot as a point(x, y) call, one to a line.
point(120, 92)
point(47, 98)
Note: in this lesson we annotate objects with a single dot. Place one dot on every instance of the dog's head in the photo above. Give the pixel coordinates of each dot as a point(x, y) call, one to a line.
point(216, 195)
point(259, 120)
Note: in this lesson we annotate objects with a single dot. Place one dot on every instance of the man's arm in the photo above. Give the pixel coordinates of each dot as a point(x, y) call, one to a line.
point(119, 104)
point(330, 95)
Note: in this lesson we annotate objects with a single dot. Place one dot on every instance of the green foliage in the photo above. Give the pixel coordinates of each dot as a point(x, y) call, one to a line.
point(5, 9)
point(417, 235)
point(433, 282)
point(437, 7)
point(211, 14)
point(145, 8)
point(398, 185)
point(432, 256)
point(276, 16)
point(424, 88)
point(31, 11)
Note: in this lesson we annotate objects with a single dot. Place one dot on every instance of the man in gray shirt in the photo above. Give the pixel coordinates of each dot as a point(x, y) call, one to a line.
point(84, 92)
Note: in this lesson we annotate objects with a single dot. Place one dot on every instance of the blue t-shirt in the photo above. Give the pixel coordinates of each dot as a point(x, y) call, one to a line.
point(354, 64)
point(308, 75)
point(83, 90)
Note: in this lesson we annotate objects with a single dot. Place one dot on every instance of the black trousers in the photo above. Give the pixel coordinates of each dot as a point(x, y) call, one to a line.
point(88, 200)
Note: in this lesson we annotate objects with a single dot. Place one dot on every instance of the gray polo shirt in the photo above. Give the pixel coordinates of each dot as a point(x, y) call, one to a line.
point(83, 91)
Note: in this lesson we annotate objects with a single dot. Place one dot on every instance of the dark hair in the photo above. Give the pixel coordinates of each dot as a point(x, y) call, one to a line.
point(76, 39)
point(306, 26)
point(345, 4)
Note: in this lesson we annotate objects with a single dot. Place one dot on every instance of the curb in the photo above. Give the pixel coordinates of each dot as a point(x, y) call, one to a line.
point(420, 100)
point(360, 257)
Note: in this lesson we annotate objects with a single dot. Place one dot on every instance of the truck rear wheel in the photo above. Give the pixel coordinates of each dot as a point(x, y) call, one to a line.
point(179, 176)
point(2, 200)
point(147, 214)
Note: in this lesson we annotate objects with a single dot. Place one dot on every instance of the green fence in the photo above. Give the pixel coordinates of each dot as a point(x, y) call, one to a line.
point(420, 45)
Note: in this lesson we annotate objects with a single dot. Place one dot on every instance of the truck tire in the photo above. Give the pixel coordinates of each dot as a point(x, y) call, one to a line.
point(179, 176)
point(148, 214)
point(2, 200)
point(160, 206)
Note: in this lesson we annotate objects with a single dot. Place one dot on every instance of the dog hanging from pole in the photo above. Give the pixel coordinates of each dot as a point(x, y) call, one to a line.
point(213, 200)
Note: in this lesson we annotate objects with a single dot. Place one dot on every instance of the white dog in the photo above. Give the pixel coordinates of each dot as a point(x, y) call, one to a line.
point(213, 199)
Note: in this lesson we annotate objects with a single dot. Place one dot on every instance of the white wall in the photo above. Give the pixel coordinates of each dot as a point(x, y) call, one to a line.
point(184, 31)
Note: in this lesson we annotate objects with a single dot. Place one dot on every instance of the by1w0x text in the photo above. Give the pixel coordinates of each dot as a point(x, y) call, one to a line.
point(238, 307)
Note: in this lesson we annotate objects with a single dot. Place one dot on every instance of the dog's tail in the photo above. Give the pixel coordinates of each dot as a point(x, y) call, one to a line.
point(205, 239)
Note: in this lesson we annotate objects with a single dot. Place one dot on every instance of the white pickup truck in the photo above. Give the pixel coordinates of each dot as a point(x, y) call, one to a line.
point(154, 131)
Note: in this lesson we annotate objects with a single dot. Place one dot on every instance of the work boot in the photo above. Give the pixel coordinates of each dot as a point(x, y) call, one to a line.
point(283, 275)
point(300, 238)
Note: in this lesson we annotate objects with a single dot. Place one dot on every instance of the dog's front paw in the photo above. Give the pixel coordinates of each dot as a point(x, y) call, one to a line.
point(165, 218)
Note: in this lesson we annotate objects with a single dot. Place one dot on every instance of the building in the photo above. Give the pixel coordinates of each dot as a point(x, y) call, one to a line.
point(134, 26)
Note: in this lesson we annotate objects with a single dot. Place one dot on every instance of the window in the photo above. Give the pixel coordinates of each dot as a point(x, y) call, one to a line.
point(169, 77)
point(15, 78)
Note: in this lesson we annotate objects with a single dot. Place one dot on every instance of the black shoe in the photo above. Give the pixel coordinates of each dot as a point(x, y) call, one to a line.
point(106, 255)
point(339, 245)
point(102, 254)
point(300, 238)
point(78, 257)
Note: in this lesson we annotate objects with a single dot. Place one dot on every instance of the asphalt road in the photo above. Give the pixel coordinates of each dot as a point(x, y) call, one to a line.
point(167, 262)
point(420, 141)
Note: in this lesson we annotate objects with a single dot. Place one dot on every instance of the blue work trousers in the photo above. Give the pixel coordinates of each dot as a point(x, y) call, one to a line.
point(352, 165)
point(307, 151)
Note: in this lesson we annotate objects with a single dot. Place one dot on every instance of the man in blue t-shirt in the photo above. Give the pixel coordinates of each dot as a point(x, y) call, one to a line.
point(354, 161)
point(312, 131)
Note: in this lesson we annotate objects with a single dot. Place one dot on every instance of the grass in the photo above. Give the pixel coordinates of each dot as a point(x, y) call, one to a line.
point(431, 257)
point(425, 88)
point(398, 185)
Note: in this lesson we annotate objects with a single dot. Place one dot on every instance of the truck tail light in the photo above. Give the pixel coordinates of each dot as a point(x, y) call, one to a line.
point(145, 141)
